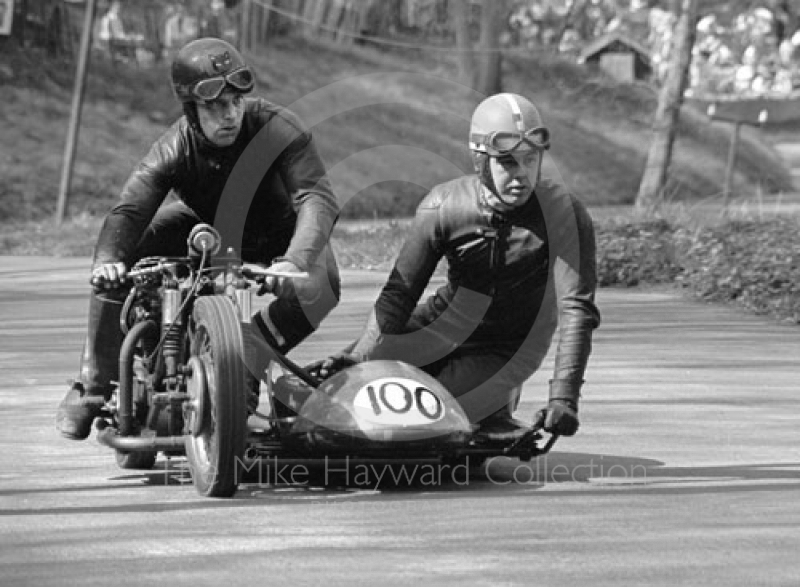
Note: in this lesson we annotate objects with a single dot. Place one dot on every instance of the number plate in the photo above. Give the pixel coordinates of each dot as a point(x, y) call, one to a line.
point(398, 401)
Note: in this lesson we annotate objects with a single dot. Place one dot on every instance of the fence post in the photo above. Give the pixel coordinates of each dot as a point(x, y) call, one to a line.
point(732, 152)
point(75, 114)
point(727, 114)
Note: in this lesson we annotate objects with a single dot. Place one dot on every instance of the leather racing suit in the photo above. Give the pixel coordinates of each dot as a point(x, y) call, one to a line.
point(267, 194)
point(512, 279)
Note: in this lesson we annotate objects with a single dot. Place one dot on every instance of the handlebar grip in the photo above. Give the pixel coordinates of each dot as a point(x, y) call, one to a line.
point(256, 271)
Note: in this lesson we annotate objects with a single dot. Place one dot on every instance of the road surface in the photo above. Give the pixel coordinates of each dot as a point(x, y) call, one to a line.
point(686, 470)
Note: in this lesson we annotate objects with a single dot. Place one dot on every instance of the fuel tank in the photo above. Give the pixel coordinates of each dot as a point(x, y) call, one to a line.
point(381, 407)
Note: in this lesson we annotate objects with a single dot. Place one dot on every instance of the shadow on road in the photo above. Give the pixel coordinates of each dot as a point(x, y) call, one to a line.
point(574, 472)
point(553, 475)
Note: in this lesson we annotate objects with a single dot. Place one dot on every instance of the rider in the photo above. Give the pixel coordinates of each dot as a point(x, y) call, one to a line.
point(521, 262)
point(223, 144)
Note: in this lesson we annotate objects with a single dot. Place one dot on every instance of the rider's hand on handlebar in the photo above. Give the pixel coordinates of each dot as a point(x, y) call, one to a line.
point(279, 286)
point(108, 275)
point(332, 365)
point(559, 417)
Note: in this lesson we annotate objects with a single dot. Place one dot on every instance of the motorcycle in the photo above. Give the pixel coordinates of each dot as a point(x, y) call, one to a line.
point(184, 386)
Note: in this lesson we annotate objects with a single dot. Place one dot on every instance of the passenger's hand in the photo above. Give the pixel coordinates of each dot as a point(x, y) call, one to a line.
point(108, 275)
point(332, 365)
point(560, 417)
point(279, 286)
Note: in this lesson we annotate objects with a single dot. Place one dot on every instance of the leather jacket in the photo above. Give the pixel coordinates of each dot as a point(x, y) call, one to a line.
point(270, 184)
point(535, 268)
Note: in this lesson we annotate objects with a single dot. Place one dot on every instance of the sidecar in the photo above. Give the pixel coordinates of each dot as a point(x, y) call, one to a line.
point(377, 410)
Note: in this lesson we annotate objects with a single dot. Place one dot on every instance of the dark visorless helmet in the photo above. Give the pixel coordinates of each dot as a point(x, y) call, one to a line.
point(205, 67)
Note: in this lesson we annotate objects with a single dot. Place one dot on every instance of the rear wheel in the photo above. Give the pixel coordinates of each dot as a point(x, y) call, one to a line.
point(216, 386)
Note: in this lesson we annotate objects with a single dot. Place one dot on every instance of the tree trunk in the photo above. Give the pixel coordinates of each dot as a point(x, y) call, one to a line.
point(670, 99)
point(466, 58)
point(263, 27)
point(18, 21)
point(488, 78)
point(314, 15)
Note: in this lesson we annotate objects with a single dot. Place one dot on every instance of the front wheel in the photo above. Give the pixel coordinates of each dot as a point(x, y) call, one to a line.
point(217, 425)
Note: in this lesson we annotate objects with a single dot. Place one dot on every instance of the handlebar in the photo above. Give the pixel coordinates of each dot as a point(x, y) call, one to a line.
point(97, 282)
point(256, 271)
point(151, 270)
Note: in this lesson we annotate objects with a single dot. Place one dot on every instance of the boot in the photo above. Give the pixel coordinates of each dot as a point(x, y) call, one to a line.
point(99, 367)
point(257, 357)
point(502, 427)
point(77, 411)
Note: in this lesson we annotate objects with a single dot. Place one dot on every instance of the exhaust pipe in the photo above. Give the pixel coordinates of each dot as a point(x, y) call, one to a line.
point(125, 390)
point(108, 436)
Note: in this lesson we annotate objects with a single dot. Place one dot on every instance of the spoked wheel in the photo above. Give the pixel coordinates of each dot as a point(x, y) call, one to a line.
point(216, 386)
point(137, 341)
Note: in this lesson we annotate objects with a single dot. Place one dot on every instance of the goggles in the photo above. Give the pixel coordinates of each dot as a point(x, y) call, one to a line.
point(500, 143)
point(211, 88)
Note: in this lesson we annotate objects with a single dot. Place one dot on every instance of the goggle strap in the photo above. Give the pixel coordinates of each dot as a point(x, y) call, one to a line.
point(478, 138)
point(516, 113)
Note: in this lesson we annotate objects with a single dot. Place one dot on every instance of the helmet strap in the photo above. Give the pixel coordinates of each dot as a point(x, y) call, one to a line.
point(190, 111)
point(484, 171)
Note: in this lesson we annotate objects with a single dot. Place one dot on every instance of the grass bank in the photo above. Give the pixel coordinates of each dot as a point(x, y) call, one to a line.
point(389, 126)
point(392, 126)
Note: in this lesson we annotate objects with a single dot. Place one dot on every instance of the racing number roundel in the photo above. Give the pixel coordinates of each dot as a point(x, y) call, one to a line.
point(398, 401)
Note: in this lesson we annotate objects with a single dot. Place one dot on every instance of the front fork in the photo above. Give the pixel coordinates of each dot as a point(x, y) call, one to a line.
point(238, 288)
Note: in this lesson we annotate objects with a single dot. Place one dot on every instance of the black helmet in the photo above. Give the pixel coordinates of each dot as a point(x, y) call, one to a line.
point(205, 67)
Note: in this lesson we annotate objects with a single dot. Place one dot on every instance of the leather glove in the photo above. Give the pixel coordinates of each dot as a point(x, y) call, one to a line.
point(560, 417)
point(332, 365)
point(279, 286)
point(108, 276)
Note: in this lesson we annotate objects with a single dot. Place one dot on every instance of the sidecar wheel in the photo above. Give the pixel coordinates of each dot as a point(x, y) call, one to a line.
point(216, 452)
point(136, 460)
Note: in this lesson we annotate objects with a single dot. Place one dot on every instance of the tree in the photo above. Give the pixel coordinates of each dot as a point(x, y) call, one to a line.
point(488, 77)
point(462, 13)
point(670, 100)
point(480, 67)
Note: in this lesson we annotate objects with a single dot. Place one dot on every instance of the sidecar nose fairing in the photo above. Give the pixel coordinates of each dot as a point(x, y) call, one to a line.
point(381, 406)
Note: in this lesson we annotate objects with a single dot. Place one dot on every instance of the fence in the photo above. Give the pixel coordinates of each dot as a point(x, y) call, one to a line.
point(157, 28)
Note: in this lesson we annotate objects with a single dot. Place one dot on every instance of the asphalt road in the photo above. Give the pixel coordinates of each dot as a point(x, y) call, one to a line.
point(686, 470)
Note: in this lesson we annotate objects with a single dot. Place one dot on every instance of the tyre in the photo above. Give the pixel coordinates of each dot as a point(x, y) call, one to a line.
point(218, 422)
